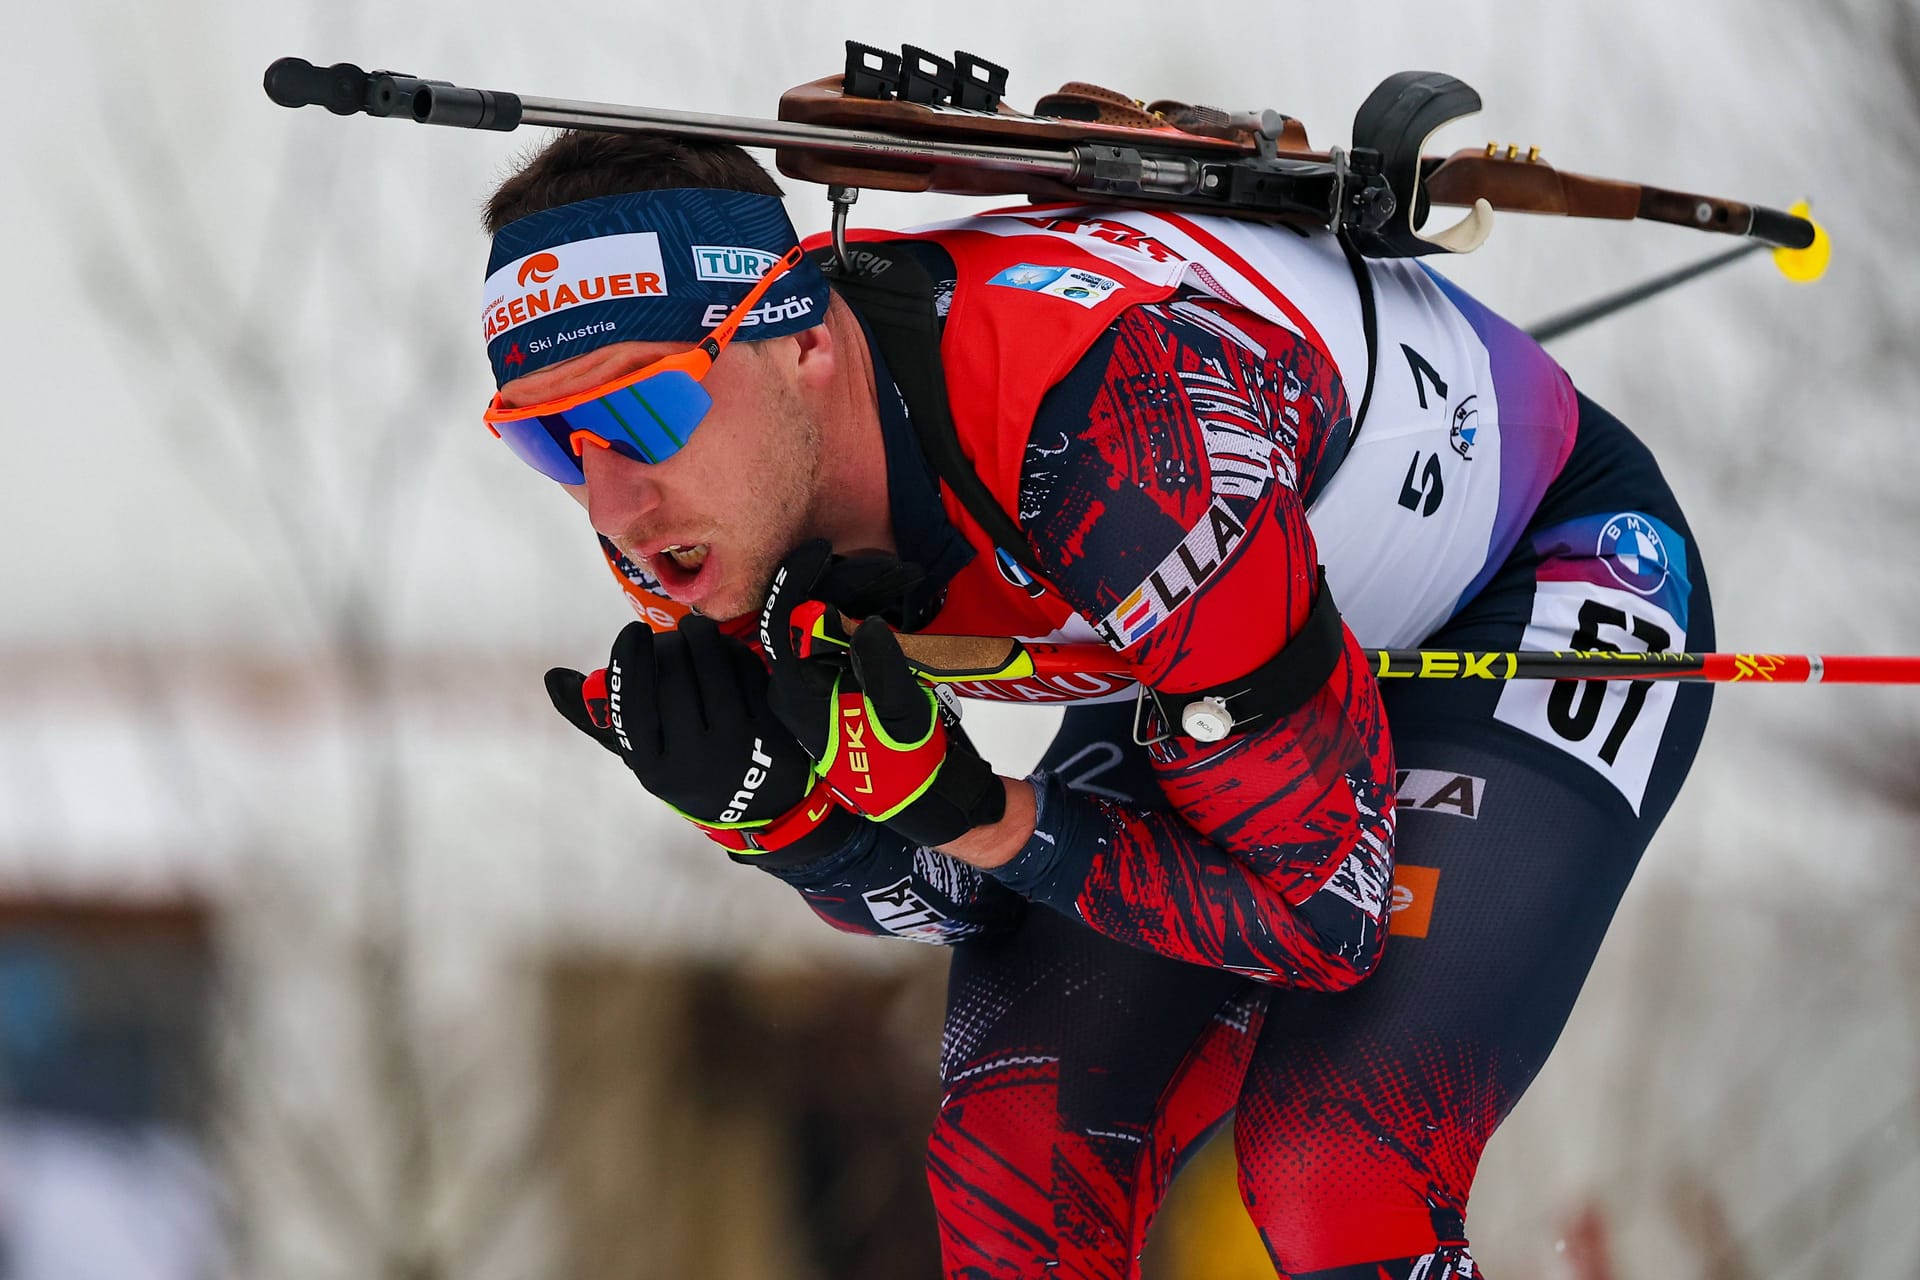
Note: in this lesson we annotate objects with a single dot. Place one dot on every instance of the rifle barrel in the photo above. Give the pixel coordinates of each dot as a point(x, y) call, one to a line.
point(346, 90)
point(1059, 165)
point(453, 105)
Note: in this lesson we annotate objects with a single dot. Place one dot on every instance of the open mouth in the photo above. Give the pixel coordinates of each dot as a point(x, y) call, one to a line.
point(688, 558)
point(681, 568)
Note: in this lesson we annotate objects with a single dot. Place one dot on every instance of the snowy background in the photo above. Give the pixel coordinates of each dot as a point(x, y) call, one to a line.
point(276, 605)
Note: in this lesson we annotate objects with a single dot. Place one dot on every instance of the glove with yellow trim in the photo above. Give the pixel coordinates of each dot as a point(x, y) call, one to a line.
point(687, 712)
point(878, 734)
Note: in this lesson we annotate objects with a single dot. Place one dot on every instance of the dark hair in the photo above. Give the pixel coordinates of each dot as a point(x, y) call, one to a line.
point(577, 165)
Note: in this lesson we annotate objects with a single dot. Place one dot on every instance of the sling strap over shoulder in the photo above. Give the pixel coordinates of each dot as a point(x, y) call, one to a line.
point(892, 292)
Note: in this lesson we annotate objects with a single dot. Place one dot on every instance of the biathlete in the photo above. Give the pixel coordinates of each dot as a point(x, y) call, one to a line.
point(1236, 453)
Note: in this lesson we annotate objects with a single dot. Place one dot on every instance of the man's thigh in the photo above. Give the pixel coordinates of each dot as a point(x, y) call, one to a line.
point(1522, 813)
point(1077, 1070)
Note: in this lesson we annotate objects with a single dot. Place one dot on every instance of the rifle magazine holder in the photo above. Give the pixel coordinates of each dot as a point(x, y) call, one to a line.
point(1395, 121)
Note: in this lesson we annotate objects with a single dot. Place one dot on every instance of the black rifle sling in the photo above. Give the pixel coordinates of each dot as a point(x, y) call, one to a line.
point(893, 293)
point(1369, 326)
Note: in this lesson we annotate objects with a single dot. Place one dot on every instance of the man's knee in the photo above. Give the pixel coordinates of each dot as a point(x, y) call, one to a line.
point(1339, 1169)
point(989, 1170)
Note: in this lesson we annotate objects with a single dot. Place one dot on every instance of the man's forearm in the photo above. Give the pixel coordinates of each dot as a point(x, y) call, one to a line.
point(1149, 878)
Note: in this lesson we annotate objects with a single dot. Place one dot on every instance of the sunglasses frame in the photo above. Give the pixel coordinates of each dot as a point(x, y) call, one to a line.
point(695, 362)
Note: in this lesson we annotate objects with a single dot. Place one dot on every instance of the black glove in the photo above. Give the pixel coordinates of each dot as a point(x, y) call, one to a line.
point(687, 711)
point(884, 742)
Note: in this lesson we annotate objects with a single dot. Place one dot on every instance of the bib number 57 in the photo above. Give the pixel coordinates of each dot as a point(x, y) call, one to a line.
point(1574, 706)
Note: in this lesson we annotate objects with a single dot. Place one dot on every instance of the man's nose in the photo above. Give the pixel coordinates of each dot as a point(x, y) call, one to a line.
point(621, 494)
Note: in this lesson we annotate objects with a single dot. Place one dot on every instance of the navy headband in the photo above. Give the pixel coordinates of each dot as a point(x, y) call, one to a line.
point(650, 266)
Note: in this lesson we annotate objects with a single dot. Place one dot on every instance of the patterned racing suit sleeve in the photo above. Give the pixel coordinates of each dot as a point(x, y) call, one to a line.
point(1161, 493)
point(880, 884)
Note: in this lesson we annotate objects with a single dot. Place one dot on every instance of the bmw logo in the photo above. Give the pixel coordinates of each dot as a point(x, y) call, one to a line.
point(1466, 425)
point(1634, 553)
point(1013, 571)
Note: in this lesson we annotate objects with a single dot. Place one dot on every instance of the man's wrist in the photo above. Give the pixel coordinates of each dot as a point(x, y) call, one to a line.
point(842, 839)
point(997, 843)
point(1053, 865)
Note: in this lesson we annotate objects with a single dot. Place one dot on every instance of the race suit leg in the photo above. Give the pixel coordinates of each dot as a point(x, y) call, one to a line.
point(1077, 1071)
point(1523, 810)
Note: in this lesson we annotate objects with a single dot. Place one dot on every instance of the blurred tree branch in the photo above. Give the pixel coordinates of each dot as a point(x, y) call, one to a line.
point(218, 363)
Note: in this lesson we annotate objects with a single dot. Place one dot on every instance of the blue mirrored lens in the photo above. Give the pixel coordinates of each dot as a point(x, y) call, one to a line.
point(648, 422)
point(533, 443)
point(652, 418)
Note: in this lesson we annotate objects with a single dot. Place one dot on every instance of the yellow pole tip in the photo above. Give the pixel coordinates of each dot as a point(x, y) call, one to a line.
point(1804, 266)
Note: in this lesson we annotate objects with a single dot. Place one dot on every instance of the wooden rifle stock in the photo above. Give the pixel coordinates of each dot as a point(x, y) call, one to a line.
point(1527, 184)
point(1507, 179)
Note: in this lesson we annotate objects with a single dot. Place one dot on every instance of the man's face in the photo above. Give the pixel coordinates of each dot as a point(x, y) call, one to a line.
point(714, 520)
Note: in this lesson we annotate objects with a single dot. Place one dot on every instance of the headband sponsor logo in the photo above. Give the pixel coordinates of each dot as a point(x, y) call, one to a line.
point(539, 269)
point(572, 275)
point(731, 262)
point(766, 313)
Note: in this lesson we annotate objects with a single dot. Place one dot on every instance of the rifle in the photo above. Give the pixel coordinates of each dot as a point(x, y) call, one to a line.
point(913, 121)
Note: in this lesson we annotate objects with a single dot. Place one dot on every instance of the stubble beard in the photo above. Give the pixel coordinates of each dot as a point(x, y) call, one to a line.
point(778, 503)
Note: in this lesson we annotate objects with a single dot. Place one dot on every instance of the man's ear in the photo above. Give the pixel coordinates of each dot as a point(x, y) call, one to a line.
point(817, 356)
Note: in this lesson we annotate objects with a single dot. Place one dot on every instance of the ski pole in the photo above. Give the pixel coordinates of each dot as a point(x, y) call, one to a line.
point(971, 658)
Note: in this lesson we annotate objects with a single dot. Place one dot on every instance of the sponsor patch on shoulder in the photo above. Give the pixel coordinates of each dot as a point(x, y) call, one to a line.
point(1071, 283)
point(1181, 573)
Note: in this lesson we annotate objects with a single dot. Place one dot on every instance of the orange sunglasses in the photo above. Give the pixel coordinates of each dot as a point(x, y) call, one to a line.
point(646, 415)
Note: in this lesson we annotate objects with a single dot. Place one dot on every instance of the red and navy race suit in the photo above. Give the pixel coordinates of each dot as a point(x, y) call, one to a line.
point(1276, 857)
point(1089, 1047)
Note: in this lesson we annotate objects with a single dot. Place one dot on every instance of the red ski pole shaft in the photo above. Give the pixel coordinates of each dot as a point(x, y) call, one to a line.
point(965, 658)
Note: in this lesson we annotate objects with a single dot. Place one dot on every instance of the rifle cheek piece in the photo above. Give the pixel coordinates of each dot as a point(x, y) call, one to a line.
point(1394, 124)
